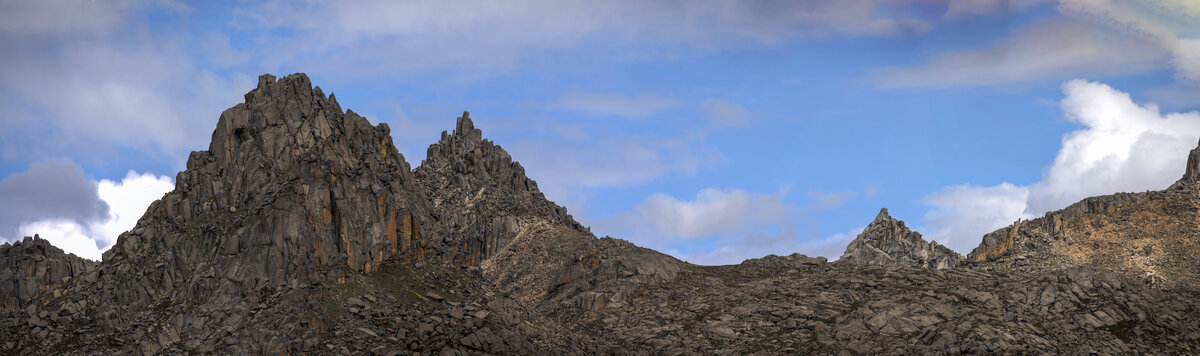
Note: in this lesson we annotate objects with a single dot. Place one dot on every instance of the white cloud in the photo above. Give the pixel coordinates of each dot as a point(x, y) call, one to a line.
point(614, 103)
point(712, 212)
point(831, 247)
point(1122, 146)
point(127, 199)
point(609, 160)
point(960, 215)
point(871, 191)
point(1050, 48)
point(65, 234)
point(721, 112)
point(485, 38)
point(831, 200)
point(725, 226)
point(961, 8)
point(1165, 22)
point(61, 16)
point(52, 189)
point(1087, 37)
point(91, 81)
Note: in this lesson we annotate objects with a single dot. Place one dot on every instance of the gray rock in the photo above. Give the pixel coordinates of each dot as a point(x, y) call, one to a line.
point(886, 241)
point(32, 267)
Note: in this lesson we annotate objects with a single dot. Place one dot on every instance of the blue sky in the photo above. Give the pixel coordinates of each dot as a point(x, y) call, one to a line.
point(711, 130)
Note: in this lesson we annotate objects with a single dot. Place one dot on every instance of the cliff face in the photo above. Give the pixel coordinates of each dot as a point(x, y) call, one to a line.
point(886, 241)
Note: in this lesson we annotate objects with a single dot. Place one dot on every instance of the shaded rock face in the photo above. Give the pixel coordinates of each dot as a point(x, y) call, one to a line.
point(31, 267)
point(886, 241)
point(292, 191)
point(1191, 174)
point(479, 193)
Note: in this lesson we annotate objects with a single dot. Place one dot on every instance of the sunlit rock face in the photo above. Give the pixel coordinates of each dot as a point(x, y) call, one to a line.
point(886, 241)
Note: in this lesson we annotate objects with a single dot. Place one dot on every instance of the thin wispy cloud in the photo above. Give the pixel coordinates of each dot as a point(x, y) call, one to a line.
point(614, 104)
point(1057, 48)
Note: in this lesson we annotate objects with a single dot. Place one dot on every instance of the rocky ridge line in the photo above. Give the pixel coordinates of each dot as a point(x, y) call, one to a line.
point(33, 266)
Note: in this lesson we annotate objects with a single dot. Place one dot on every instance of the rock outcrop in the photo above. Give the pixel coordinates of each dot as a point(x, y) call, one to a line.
point(1147, 235)
point(292, 191)
point(31, 267)
point(886, 241)
point(1191, 174)
point(480, 194)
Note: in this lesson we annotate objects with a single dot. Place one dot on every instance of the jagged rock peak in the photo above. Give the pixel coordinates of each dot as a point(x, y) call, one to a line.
point(1192, 173)
point(883, 215)
point(886, 241)
point(481, 191)
point(33, 266)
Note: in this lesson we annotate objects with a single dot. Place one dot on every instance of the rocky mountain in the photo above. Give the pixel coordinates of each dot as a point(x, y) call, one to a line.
point(886, 241)
point(302, 230)
point(1150, 235)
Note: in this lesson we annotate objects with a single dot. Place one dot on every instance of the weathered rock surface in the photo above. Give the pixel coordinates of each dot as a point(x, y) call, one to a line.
point(480, 194)
point(31, 267)
point(886, 241)
point(1149, 235)
point(301, 230)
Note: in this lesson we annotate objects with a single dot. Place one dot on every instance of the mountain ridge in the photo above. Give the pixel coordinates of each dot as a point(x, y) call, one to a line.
point(303, 230)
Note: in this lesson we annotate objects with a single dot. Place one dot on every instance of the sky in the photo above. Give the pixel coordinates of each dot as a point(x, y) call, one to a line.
point(713, 131)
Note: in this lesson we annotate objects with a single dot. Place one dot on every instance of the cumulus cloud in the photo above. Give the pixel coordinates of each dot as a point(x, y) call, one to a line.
point(128, 200)
point(727, 226)
point(614, 103)
point(54, 189)
point(1122, 146)
point(711, 212)
point(960, 215)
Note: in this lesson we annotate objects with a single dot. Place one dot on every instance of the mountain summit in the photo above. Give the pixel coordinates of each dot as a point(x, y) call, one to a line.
point(886, 241)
